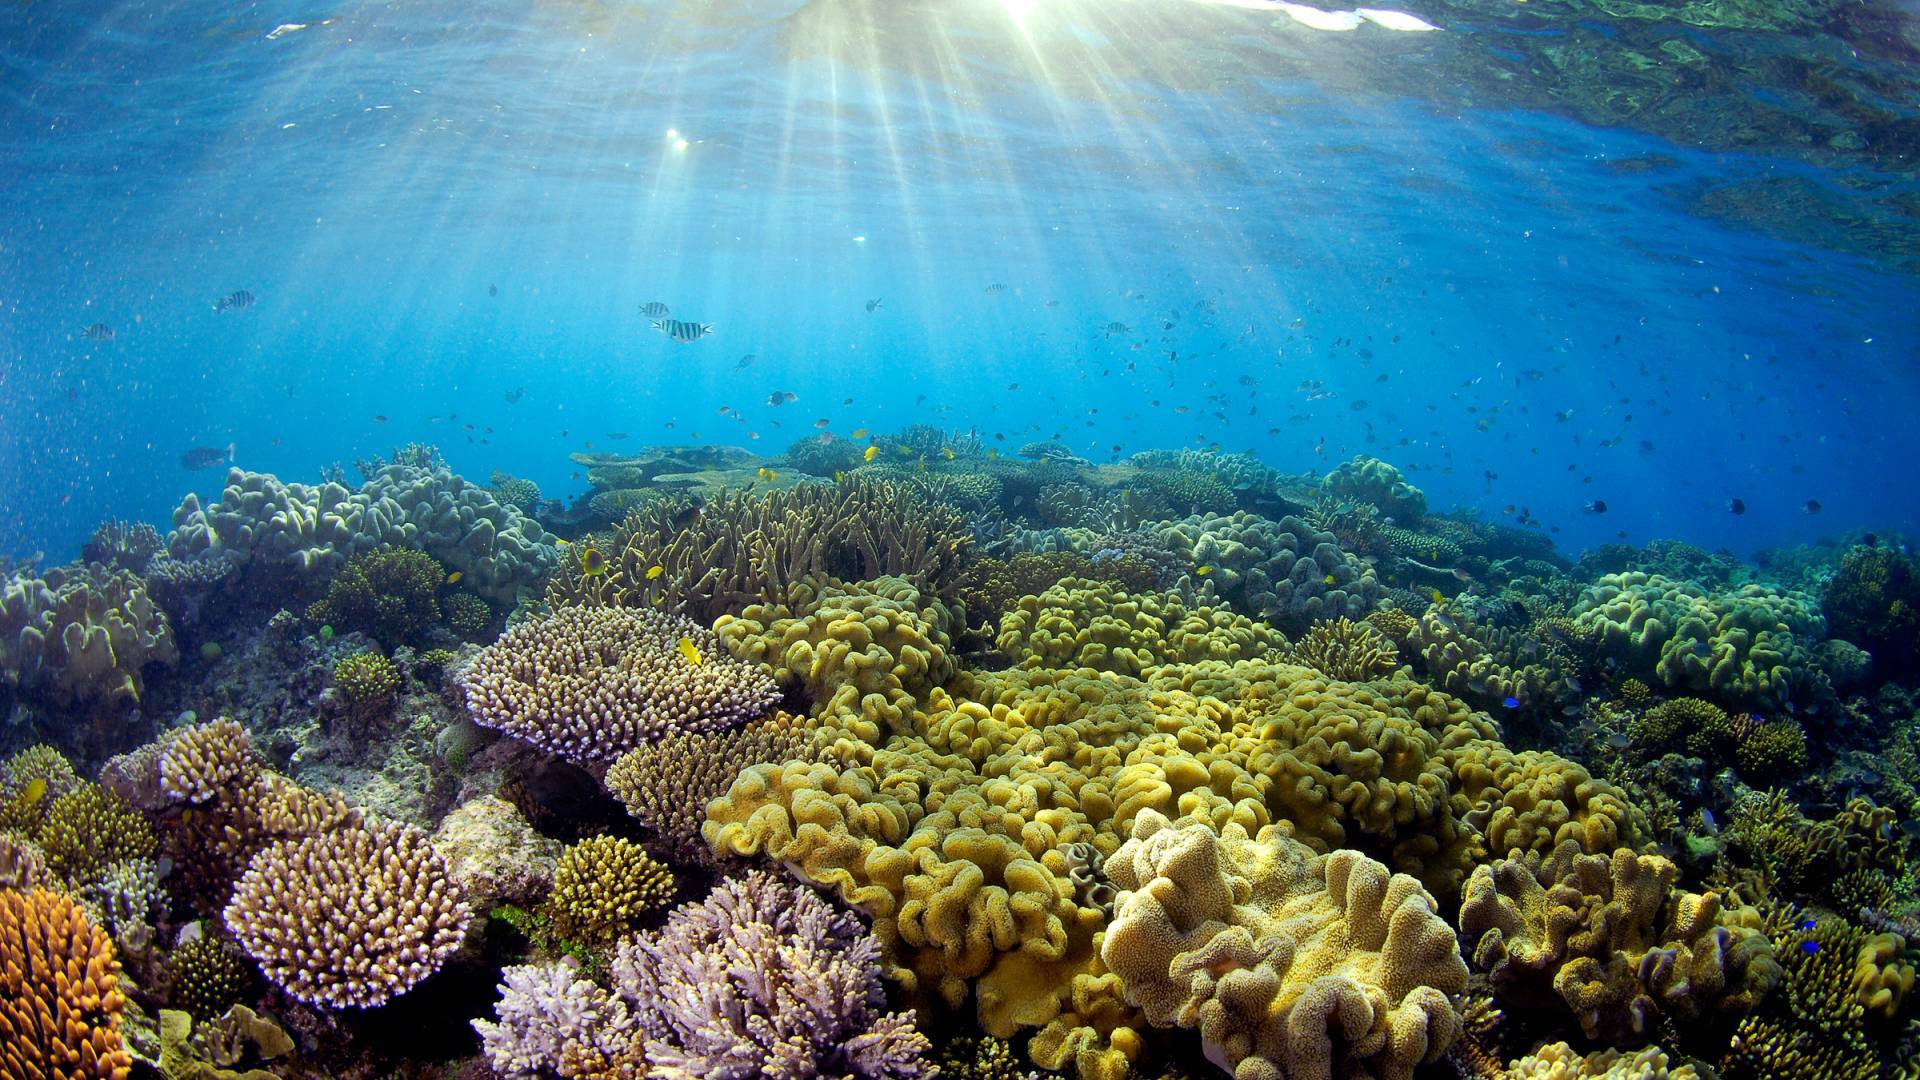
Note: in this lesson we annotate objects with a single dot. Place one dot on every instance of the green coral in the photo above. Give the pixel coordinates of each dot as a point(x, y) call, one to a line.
point(366, 678)
point(390, 594)
point(91, 829)
point(602, 887)
point(207, 976)
point(467, 615)
point(1873, 600)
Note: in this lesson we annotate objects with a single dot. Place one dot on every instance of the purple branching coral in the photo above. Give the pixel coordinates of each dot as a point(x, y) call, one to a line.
point(763, 980)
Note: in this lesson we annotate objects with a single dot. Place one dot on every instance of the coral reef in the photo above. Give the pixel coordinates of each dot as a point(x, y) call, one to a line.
point(349, 918)
point(1873, 600)
point(1289, 964)
point(1611, 937)
point(60, 998)
point(602, 886)
point(1346, 650)
point(1370, 480)
point(82, 634)
point(1285, 572)
point(368, 679)
point(592, 683)
point(1079, 623)
point(390, 595)
point(741, 548)
point(666, 784)
point(207, 976)
point(494, 855)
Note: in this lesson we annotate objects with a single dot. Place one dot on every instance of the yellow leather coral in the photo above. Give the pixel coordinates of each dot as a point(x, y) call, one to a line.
point(867, 650)
point(1614, 940)
point(1079, 623)
point(1289, 964)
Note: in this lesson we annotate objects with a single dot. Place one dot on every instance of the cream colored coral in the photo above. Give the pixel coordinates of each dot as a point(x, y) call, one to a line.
point(205, 761)
point(1288, 963)
point(1558, 1061)
point(1093, 624)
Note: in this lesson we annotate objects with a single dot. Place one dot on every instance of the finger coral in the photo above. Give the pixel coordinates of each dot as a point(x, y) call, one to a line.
point(349, 918)
point(590, 684)
point(60, 999)
point(602, 886)
point(1613, 940)
point(1346, 650)
point(1290, 965)
point(205, 760)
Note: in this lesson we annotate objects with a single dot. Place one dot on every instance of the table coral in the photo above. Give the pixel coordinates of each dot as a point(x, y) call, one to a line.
point(1614, 940)
point(1290, 965)
point(349, 918)
point(1079, 623)
point(60, 998)
point(590, 684)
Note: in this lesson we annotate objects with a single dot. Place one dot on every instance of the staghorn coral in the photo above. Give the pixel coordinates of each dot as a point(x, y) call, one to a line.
point(368, 679)
point(1275, 571)
point(1347, 650)
point(30, 781)
point(1614, 940)
point(1370, 480)
point(349, 918)
point(743, 548)
point(1835, 1011)
point(872, 649)
point(1290, 965)
point(666, 784)
point(764, 972)
point(60, 998)
point(390, 595)
point(212, 844)
point(592, 683)
point(982, 1058)
point(602, 886)
point(1079, 623)
point(81, 634)
point(552, 1021)
point(1750, 644)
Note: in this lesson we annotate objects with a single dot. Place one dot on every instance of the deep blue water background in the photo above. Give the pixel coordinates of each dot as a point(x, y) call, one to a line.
point(1536, 300)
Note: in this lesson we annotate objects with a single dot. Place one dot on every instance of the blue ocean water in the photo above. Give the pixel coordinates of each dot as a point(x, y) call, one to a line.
point(1530, 289)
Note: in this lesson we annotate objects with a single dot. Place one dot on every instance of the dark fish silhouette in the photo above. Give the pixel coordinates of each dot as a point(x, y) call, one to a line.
point(1597, 506)
point(654, 309)
point(744, 361)
point(873, 305)
point(515, 394)
point(98, 332)
point(683, 332)
point(239, 298)
point(781, 397)
point(1736, 507)
point(206, 457)
point(492, 289)
point(1813, 506)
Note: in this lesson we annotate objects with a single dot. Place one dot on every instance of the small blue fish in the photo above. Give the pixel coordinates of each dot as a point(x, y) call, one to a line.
point(1811, 948)
point(1510, 702)
point(1807, 924)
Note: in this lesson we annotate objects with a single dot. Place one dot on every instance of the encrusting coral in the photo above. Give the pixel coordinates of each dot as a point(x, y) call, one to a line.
point(1291, 965)
point(590, 684)
point(349, 918)
point(60, 998)
point(762, 978)
point(1614, 940)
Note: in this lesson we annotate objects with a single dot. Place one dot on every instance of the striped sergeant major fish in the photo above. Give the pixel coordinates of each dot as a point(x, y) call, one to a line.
point(654, 309)
point(239, 298)
point(683, 332)
point(98, 332)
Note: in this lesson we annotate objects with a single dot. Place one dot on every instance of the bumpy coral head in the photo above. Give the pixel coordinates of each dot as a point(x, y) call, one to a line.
point(592, 683)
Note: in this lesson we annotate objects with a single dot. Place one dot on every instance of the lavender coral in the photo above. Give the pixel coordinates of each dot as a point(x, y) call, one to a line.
point(349, 918)
point(592, 683)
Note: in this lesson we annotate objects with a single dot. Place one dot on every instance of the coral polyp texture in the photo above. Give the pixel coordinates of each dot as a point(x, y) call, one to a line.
point(81, 634)
point(1289, 964)
point(60, 996)
point(1089, 624)
point(1286, 572)
point(202, 762)
point(592, 683)
point(603, 886)
point(391, 594)
point(762, 978)
point(1347, 650)
point(349, 918)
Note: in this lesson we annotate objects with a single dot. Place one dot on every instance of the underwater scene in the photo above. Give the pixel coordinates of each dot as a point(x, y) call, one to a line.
point(968, 539)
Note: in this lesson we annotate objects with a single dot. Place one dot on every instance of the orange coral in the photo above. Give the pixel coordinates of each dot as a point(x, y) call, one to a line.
point(60, 1000)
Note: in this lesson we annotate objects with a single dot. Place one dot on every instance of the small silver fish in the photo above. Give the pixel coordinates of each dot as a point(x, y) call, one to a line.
point(239, 298)
point(681, 331)
point(654, 309)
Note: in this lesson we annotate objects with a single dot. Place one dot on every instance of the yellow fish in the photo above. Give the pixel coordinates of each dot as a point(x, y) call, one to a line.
point(592, 563)
point(905, 451)
point(1439, 597)
point(33, 793)
point(859, 433)
point(992, 453)
point(769, 475)
point(872, 452)
point(454, 578)
point(839, 477)
point(689, 650)
point(1203, 571)
point(948, 451)
point(655, 571)
point(1331, 580)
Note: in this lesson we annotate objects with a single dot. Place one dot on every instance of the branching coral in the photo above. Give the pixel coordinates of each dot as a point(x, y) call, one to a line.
point(207, 975)
point(91, 829)
point(1289, 964)
point(743, 548)
point(1614, 940)
point(60, 999)
point(1873, 600)
point(1347, 650)
point(202, 761)
point(1089, 624)
point(592, 683)
point(989, 586)
point(602, 887)
point(1489, 664)
point(1558, 1061)
point(350, 918)
point(390, 594)
point(667, 784)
